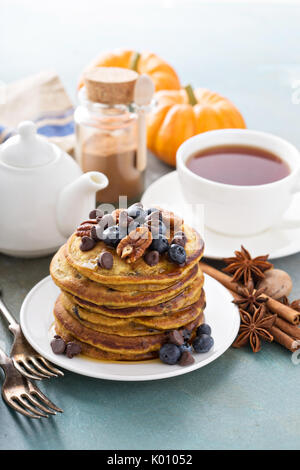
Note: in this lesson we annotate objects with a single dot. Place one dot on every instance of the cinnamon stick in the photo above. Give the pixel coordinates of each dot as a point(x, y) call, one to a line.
point(284, 339)
point(284, 311)
point(287, 328)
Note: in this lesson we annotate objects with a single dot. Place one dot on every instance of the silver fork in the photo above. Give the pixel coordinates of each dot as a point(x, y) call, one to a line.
point(28, 362)
point(22, 395)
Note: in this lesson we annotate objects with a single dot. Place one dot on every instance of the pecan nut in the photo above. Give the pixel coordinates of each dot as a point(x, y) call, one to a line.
point(135, 244)
point(84, 229)
point(121, 217)
point(172, 221)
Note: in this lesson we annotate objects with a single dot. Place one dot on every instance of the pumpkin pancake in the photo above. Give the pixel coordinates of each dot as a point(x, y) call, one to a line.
point(70, 280)
point(112, 342)
point(134, 326)
point(99, 354)
point(186, 297)
point(139, 272)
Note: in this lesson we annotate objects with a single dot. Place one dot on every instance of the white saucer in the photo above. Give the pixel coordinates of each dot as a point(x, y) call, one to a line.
point(166, 191)
point(37, 325)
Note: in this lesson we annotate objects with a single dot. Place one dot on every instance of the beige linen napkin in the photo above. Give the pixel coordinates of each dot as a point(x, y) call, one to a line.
point(40, 98)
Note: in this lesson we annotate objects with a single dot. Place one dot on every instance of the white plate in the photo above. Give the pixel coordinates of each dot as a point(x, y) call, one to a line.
point(166, 191)
point(37, 325)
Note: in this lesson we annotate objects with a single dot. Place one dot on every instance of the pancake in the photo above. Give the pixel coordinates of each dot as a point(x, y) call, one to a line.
point(70, 280)
point(99, 354)
point(138, 326)
point(186, 297)
point(140, 287)
point(112, 342)
point(139, 272)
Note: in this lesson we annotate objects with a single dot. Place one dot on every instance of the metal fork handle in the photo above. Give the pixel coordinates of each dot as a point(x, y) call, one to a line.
point(5, 312)
point(5, 361)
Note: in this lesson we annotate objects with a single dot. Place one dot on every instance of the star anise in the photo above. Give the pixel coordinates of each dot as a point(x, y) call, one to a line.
point(251, 299)
point(254, 328)
point(245, 268)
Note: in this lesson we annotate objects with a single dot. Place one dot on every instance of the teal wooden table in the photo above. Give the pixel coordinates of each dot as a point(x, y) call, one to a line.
point(248, 52)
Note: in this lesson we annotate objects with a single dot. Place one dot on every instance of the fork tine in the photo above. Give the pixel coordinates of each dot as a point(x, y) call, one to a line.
point(32, 370)
point(27, 405)
point(43, 398)
point(41, 368)
point(24, 372)
point(36, 403)
point(51, 367)
point(29, 368)
point(15, 406)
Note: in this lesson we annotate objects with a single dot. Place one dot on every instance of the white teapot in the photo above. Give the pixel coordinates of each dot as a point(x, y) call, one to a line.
point(44, 195)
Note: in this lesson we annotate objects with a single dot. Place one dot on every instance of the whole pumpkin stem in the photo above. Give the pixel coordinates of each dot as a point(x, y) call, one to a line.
point(134, 61)
point(191, 95)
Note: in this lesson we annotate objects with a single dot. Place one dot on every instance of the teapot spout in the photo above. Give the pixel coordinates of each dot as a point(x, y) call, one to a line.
point(77, 199)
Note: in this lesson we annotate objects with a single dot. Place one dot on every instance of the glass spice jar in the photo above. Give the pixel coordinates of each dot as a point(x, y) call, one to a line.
point(106, 134)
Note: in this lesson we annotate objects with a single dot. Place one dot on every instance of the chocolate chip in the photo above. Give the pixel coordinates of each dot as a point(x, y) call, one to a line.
point(96, 213)
point(72, 349)
point(151, 257)
point(58, 345)
point(175, 337)
point(180, 234)
point(76, 311)
point(105, 260)
point(186, 359)
point(87, 243)
point(96, 233)
point(179, 239)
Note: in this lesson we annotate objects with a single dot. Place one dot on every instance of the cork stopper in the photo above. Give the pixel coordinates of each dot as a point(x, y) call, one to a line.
point(110, 85)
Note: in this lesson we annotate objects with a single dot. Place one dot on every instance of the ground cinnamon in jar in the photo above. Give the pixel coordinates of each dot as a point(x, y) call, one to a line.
point(106, 130)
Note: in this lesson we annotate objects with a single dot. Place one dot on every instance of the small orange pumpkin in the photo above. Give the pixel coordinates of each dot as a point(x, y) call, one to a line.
point(181, 114)
point(162, 74)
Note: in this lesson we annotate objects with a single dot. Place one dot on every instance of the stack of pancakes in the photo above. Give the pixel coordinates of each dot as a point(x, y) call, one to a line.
point(126, 313)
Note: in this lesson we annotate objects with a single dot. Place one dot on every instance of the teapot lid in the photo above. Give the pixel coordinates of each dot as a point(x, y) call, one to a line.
point(26, 149)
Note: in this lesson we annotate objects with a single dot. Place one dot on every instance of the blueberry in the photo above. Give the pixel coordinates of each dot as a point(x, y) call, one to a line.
point(137, 212)
point(153, 209)
point(169, 353)
point(186, 347)
point(157, 228)
point(162, 228)
point(203, 343)
point(160, 244)
point(204, 329)
point(111, 236)
point(177, 254)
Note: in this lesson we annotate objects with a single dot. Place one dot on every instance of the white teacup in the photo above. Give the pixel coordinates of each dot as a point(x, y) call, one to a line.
point(241, 210)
